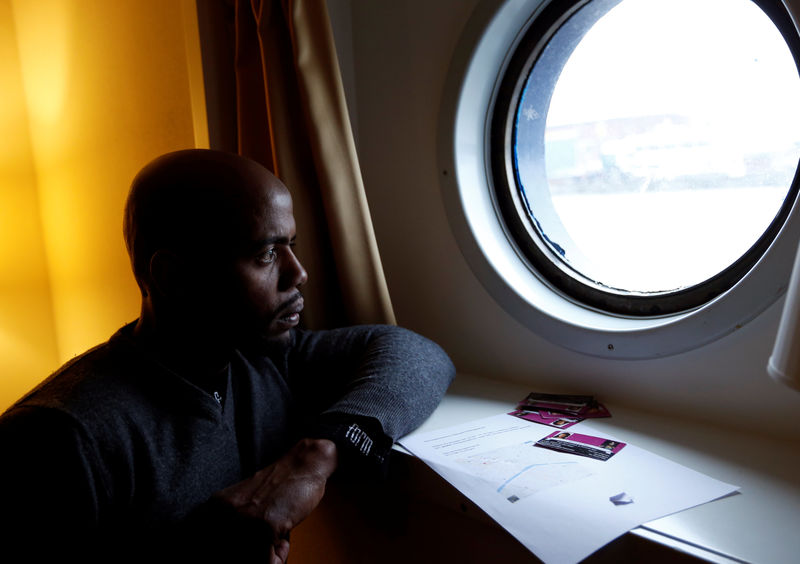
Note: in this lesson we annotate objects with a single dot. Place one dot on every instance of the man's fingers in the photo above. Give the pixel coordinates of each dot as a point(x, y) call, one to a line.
point(242, 493)
point(282, 550)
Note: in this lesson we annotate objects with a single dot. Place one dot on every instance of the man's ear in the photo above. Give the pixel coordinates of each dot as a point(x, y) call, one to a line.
point(165, 273)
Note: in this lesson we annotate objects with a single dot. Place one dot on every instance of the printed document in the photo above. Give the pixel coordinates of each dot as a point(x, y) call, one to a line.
point(566, 496)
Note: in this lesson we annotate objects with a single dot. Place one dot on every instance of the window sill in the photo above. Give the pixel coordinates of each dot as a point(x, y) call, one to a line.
point(757, 525)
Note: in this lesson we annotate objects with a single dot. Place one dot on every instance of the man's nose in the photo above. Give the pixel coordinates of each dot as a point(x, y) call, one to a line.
point(293, 274)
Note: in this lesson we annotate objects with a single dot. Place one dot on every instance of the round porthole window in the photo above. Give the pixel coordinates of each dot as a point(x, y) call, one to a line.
point(621, 174)
point(644, 151)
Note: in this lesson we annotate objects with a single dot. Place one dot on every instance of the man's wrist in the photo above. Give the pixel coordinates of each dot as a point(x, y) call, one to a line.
point(317, 455)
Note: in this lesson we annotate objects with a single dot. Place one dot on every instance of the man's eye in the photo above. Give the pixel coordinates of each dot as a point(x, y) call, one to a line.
point(268, 257)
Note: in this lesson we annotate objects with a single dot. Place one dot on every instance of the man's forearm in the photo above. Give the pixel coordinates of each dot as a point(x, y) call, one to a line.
point(387, 373)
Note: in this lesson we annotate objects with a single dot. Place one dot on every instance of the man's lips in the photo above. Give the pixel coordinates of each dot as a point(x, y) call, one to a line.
point(290, 313)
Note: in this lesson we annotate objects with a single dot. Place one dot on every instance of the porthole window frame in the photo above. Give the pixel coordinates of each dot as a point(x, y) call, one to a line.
point(519, 220)
point(473, 87)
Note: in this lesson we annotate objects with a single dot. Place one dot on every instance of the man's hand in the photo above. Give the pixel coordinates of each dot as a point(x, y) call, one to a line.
point(286, 492)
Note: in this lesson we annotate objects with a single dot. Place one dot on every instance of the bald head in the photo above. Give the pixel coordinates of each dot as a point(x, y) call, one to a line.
point(191, 199)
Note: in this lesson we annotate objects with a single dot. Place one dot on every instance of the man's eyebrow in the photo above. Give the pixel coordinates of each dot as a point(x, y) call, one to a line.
point(275, 240)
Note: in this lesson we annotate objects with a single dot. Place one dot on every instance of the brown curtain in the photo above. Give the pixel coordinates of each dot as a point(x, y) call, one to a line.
point(292, 117)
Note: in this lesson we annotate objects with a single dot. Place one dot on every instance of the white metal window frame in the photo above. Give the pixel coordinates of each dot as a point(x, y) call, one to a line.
point(481, 56)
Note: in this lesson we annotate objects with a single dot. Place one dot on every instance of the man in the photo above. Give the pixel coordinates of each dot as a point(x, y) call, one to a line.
point(212, 424)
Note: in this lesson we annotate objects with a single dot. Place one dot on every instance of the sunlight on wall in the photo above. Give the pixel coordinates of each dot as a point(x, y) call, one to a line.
point(103, 88)
point(27, 333)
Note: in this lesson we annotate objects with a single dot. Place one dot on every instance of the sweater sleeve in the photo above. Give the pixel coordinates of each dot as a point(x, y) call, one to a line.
point(370, 384)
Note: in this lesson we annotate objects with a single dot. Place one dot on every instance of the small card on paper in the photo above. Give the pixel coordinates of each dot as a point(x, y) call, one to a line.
point(582, 445)
point(556, 402)
point(559, 410)
point(551, 418)
point(575, 405)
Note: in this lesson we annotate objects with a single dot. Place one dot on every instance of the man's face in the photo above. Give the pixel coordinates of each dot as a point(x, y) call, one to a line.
point(268, 272)
point(255, 283)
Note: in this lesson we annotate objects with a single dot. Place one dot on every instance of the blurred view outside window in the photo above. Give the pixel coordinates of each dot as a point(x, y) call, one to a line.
point(671, 139)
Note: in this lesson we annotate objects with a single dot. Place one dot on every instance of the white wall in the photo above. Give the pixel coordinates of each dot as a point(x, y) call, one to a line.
point(401, 51)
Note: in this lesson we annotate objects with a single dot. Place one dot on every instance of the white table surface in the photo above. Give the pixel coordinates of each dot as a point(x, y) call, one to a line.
point(759, 524)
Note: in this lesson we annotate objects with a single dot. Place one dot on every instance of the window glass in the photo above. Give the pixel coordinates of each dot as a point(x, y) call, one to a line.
point(654, 142)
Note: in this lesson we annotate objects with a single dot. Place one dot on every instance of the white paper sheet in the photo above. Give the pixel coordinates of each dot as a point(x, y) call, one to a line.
point(558, 505)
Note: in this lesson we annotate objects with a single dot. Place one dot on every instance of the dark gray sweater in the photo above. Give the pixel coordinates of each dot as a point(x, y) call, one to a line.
point(115, 445)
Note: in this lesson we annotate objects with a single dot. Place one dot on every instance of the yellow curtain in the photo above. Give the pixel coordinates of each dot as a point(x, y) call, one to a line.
point(292, 117)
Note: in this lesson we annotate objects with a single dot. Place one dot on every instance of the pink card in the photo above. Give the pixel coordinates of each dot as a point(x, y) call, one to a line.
point(583, 445)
